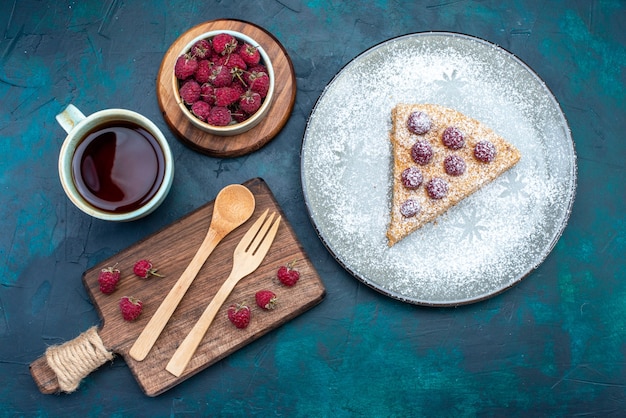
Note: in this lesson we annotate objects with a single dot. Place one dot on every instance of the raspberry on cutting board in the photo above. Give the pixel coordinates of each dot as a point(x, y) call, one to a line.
point(130, 307)
point(265, 299)
point(288, 275)
point(144, 269)
point(239, 315)
point(108, 279)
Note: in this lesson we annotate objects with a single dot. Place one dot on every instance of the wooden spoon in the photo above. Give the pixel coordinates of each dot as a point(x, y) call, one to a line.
point(234, 205)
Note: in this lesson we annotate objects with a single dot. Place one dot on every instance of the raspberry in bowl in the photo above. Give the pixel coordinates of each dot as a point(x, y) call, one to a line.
point(223, 82)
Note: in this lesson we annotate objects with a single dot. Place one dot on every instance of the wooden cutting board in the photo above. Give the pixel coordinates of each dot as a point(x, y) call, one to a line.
point(171, 250)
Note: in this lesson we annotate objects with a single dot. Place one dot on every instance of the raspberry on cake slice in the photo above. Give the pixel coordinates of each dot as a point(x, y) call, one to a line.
point(440, 157)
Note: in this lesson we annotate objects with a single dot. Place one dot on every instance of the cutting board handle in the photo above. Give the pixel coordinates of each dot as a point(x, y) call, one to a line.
point(64, 366)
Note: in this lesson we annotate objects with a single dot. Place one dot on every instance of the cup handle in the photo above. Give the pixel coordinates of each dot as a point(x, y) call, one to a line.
point(70, 117)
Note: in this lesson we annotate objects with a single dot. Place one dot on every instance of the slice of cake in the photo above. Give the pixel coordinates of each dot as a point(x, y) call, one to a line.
point(440, 156)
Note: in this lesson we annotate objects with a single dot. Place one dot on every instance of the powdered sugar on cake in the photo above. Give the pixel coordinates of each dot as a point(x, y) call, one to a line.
point(457, 156)
point(485, 243)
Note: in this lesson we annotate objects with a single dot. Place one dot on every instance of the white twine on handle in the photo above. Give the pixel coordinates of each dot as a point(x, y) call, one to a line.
point(75, 359)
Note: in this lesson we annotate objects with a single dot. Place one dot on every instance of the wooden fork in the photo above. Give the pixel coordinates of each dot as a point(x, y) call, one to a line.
point(247, 257)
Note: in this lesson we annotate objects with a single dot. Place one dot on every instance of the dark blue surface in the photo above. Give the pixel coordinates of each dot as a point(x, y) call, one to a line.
point(553, 345)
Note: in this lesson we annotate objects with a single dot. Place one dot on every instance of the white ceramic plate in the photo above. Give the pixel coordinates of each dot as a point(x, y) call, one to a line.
point(488, 242)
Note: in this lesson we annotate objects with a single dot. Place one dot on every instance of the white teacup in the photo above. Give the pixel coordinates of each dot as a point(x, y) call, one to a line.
point(114, 164)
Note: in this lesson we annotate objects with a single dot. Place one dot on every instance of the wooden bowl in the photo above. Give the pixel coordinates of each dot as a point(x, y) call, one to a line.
point(237, 145)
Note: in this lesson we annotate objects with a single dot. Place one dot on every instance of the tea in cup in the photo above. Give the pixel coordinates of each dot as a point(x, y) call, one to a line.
point(114, 164)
